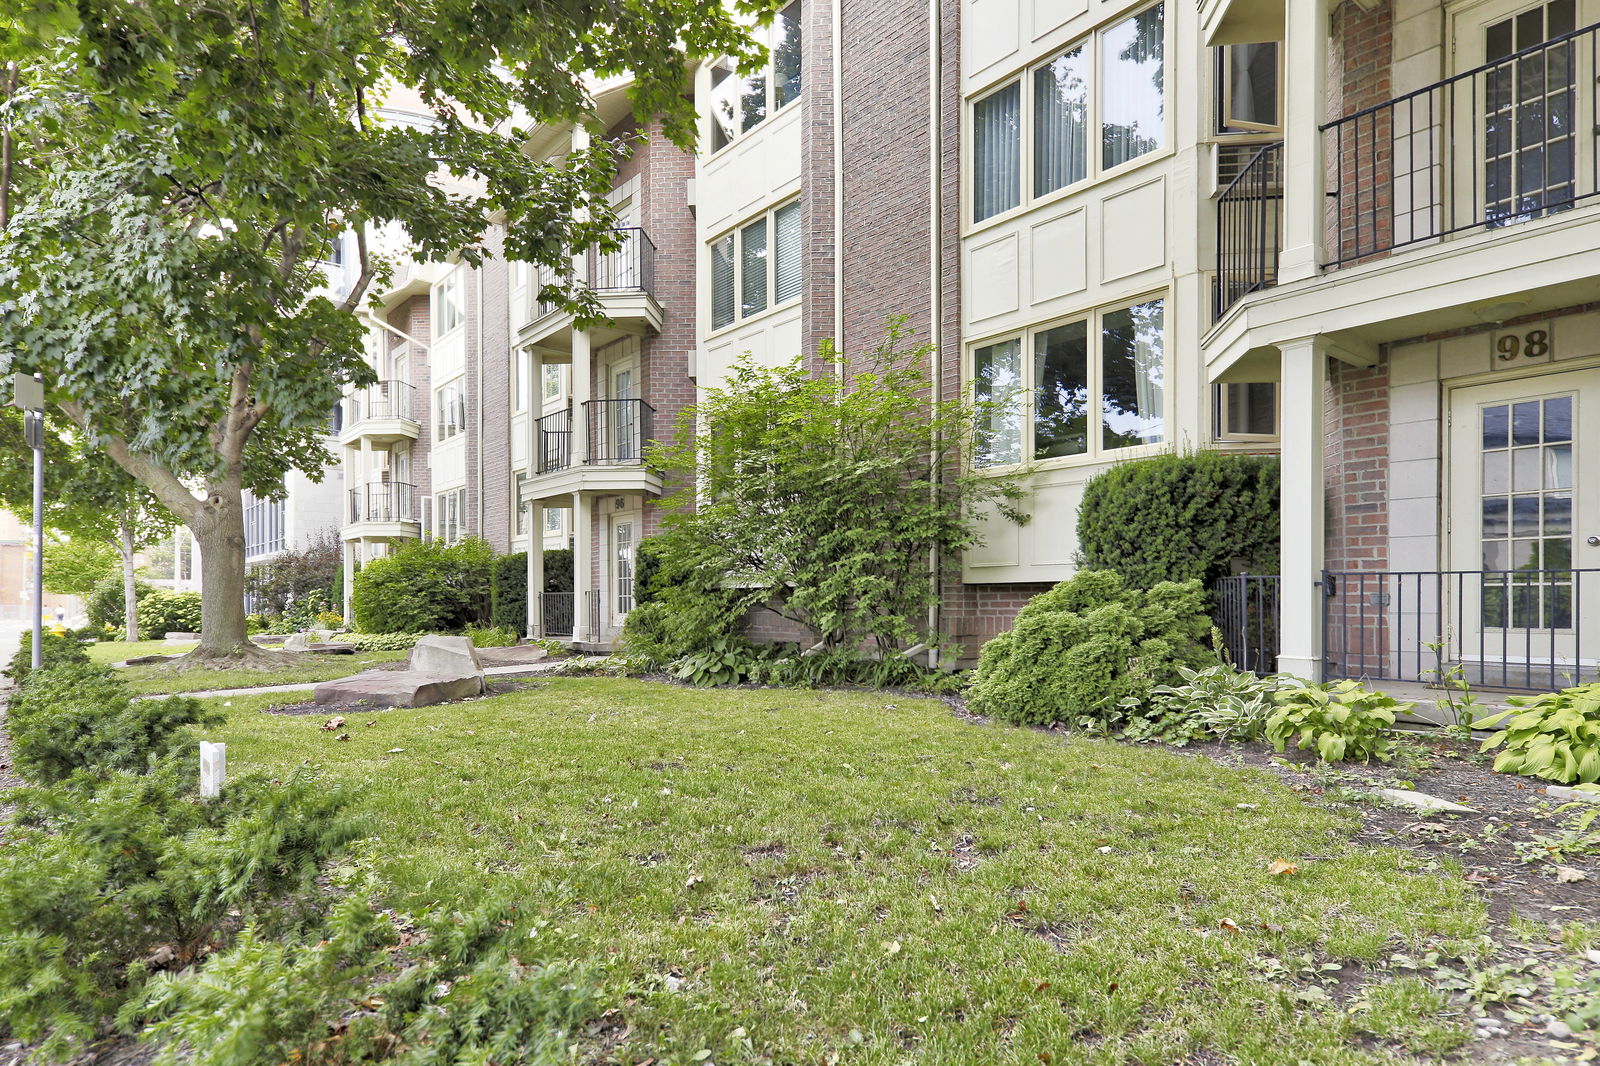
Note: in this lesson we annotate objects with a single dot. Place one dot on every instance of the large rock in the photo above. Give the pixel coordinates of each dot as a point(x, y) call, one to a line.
point(398, 688)
point(516, 655)
point(296, 642)
point(178, 638)
point(451, 656)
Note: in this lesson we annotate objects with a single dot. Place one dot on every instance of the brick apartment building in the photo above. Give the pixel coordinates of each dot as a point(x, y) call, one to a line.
point(1132, 213)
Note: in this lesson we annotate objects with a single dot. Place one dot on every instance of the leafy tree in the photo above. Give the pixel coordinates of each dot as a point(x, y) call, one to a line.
point(176, 174)
point(87, 496)
point(73, 567)
point(289, 576)
point(825, 497)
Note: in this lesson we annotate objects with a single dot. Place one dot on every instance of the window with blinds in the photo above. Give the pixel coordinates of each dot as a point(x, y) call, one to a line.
point(756, 267)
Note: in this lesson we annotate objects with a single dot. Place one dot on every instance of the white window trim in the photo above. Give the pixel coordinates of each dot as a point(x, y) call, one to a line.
point(1219, 416)
point(1097, 454)
point(459, 385)
point(736, 231)
point(451, 283)
point(769, 71)
point(1094, 173)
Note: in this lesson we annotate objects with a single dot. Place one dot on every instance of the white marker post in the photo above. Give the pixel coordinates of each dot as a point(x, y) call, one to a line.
point(213, 768)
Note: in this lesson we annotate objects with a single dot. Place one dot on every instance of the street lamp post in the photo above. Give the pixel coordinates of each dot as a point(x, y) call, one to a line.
point(28, 394)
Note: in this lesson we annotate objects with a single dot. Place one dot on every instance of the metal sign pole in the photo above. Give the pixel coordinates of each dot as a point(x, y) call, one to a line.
point(27, 392)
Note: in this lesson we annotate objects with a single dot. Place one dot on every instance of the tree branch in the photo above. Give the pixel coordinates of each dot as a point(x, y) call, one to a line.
point(353, 298)
point(172, 493)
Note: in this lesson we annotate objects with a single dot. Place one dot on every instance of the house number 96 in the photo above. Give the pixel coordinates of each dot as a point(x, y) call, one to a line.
point(1535, 344)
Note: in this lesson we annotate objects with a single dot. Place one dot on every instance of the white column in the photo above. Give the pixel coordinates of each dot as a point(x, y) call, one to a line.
point(1305, 375)
point(535, 406)
point(580, 568)
point(1305, 108)
point(582, 369)
point(349, 563)
point(366, 477)
point(536, 569)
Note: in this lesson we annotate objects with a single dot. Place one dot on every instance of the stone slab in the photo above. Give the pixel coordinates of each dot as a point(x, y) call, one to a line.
point(1562, 792)
point(180, 637)
point(451, 656)
point(398, 688)
point(516, 655)
point(1422, 801)
point(143, 660)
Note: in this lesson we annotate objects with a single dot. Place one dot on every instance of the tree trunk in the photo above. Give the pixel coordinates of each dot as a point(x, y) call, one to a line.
point(130, 579)
point(219, 536)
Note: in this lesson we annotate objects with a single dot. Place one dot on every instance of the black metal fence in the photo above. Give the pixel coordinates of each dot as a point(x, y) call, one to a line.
point(618, 430)
point(554, 451)
point(555, 610)
point(630, 268)
point(1249, 229)
point(1246, 615)
point(1511, 140)
point(385, 501)
point(1511, 629)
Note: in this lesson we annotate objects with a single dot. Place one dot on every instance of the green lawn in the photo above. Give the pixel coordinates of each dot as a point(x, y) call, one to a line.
point(168, 677)
point(805, 876)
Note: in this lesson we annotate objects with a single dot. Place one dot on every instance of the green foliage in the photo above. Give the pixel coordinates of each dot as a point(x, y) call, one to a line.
point(1219, 700)
point(73, 567)
point(1341, 721)
point(104, 603)
point(164, 611)
point(1091, 652)
point(724, 661)
point(54, 652)
point(471, 988)
point(80, 718)
point(1174, 517)
point(820, 496)
point(379, 641)
point(1555, 735)
point(492, 636)
point(649, 568)
point(97, 886)
point(510, 593)
point(425, 587)
point(291, 577)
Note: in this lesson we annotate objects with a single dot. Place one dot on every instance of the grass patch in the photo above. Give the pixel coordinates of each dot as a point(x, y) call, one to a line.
point(306, 667)
point(819, 877)
point(107, 652)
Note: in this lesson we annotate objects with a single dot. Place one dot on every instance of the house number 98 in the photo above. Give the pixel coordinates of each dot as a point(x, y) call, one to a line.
point(1535, 344)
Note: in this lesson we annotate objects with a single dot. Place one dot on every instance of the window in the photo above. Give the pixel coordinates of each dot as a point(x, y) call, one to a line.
point(450, 409)
point(263, 526)
point(1093, 385)
point(1030, 144)
point(1247, 88)
point(552, 381)
point(1246, 410)
point(447, 313)
point(450, 515)
point(756, 266)
point(554, 520)
point(521, 508)
point(739, 103)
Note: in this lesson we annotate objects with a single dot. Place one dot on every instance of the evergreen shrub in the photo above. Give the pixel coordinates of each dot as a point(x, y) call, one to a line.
point(54, 651)
point(164, 611)
point(1174, 517)
point(511, 584)
point(1091, 651)
point(425, 587)
point(104, 604)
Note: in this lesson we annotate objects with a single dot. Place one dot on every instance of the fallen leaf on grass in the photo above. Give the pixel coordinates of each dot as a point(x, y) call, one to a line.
point(890, 947)
point(1229, 925)
point(694, 879)
point(1566, 875)
point(1281, 868)
point(395, 751)
point(342, 736)
point(333, 723)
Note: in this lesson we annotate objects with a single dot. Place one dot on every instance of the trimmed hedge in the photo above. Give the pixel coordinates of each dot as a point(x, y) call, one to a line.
point(1179, 517)
point(164, 611)
point(425, 587)
point(510, 591)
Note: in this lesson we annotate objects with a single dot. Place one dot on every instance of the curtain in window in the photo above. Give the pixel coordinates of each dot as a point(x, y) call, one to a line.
point(1061, 391)
point(722, 310)
point(786, 55)
point(1132, 88)
point(786, 252)
point(996, 383)
point(1060, 122)
point(1132, 376)
point(997, 151)
point(753, 267)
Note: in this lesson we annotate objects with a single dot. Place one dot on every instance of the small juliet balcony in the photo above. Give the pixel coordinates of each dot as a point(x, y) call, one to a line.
point(622, 280)
point(384, 412)
point(382, 509)
point(599, 448)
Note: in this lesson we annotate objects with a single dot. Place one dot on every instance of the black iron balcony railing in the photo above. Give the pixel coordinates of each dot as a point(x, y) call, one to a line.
point(1514, 629)
point(1249, 229)
point(618, 430)
point(383, 501)
point(630, 268)
point(383, 399)
point(1506, 142)
point(553, 443)
point(555, 609)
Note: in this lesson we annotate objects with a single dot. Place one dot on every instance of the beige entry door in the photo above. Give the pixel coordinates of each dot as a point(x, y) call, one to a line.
point(623, 541)
point(1524, 547)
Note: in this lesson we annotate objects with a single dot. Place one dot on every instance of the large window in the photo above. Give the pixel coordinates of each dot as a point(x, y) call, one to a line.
point(450, 515)
point(263, 526)
point(1084, 387)
point(1110, 87)
point(447, 312)
point(756, 266)
point(739, 103)
point(1247, 88)
point(450, 409)
point(1246, 410)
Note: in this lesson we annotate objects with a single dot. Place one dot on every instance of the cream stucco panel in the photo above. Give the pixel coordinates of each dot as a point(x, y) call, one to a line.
point(990, 32)
point(1059, 256)
point(995, 278)
point(1133, 230)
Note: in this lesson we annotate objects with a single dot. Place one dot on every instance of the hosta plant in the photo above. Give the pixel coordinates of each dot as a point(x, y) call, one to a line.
point(1555, 736)
point(1233, 704)
point(1343, 721)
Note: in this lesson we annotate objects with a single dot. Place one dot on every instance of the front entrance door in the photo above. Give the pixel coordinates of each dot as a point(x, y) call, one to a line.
point(1525, 529)
point(622, 545)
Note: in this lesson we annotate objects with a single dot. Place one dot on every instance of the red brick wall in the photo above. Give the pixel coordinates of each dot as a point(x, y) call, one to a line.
point(1363, 47)
point(1356, 465)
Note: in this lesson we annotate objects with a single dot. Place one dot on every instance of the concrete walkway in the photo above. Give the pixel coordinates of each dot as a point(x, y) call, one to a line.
point(307, 686)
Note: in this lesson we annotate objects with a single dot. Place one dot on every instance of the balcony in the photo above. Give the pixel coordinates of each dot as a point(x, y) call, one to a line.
point(1249, 229)
point(382, 508)
point(384, 412)
point(623, 281)
point(613, 434)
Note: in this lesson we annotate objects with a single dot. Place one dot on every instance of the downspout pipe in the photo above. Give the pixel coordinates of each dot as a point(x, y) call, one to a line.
point(935, 291)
